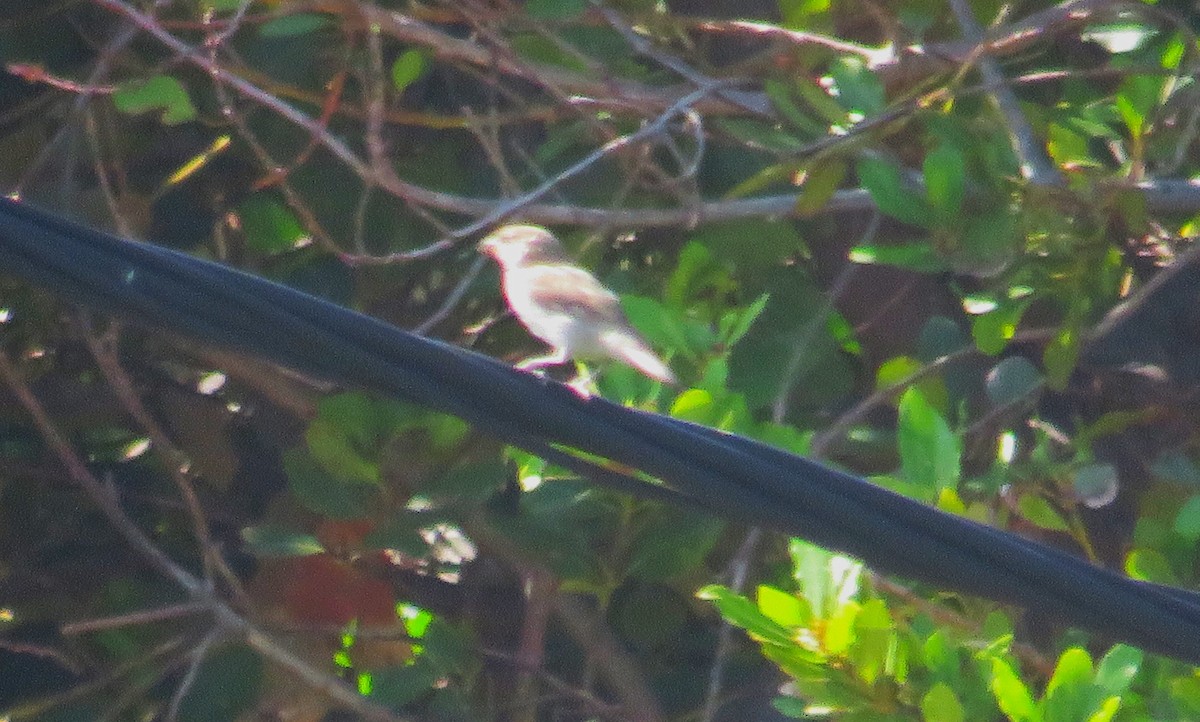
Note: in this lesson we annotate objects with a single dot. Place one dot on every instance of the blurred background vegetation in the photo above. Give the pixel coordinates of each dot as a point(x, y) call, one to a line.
point(888, 235)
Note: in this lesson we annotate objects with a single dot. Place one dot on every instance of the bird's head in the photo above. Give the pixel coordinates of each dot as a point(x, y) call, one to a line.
point(520, 245)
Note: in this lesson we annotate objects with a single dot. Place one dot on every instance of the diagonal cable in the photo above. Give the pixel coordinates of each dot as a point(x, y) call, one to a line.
point(728, 475)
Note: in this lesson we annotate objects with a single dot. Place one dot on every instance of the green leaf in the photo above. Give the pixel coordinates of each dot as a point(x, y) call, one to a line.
point(989, 243)
point(1150, 565)
point(318, 492)
point(859, 89)
point(1185, 693)
point(998, 626)
point(1174, 50)
point(1069, 694)
point(930, 453)
point(993, 330)
point(873, 631)
point(275, 541)
point(843, 332)
point(781, 98)
point(940, 336)
point(784, 436)
point(350, 429)
point(1107, 709)
point(741, 612)
point(476, 482)
point(1060, 356)
point(920, 257)
point(1136, 99)
point(882, 180)
point(821, 180)
point(409, 66)
point(1187, 520)
point(450, 648)
point(416, 620)
point(745, 320)
point(899, 368)
point(333, 450)
point(1069, 148)
point(1176, 467)
point(160, 92)
point(1096, 484)
point(791, 707)
point(940, 704)
point(945, 179)
point(541, 49)
point(671, 542)
point(798, 14)
point(562, 524)
point(355, 415)
point(269, 226)
point(763, 135)
point(1038, 511)
point(823, 577)
point(293, 25)
point(401, 685)
point(784, 609)
point(840, 628)
point(702, 285)
point(1011, 694)
point(809, 670)
point(751, 246)
point(695, 405)
point(1118, 669)
point(820, 101)
point(942, 659)
point(1012, 379)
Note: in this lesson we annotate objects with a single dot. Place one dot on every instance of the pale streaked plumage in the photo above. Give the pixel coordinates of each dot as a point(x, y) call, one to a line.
point(564, 305)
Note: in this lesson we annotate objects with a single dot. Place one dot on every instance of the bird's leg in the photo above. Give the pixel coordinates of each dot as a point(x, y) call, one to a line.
point(584, 382)
point(558, 357)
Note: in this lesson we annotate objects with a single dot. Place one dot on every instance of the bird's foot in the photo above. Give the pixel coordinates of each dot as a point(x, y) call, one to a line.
point(584, 382)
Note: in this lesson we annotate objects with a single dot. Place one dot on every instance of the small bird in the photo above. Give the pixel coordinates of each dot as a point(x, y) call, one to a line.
point(564, 305)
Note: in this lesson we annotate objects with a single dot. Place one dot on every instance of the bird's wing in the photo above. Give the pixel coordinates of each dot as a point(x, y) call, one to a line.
point(570, 290)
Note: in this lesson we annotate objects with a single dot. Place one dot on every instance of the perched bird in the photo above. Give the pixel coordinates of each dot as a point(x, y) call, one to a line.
point(564, 305)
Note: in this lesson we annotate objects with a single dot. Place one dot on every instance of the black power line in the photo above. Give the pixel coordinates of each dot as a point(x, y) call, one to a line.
point(728, 475)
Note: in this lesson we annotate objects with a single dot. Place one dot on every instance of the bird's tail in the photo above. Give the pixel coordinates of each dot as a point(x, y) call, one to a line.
point(626, 347)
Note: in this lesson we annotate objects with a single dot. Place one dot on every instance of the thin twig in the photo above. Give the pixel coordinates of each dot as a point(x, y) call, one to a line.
point(453, 298)
point(619, 670)
point(173, 459)
point(803, 344)
point(595, 705)
point(109, 676)
point(1175, 195)
point(540, 589)
point(1036, 167)
point(739, 568)
point(644, 47)
point(100, 70)
point(148, 616)
point(819, 447)
point(185, 685)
